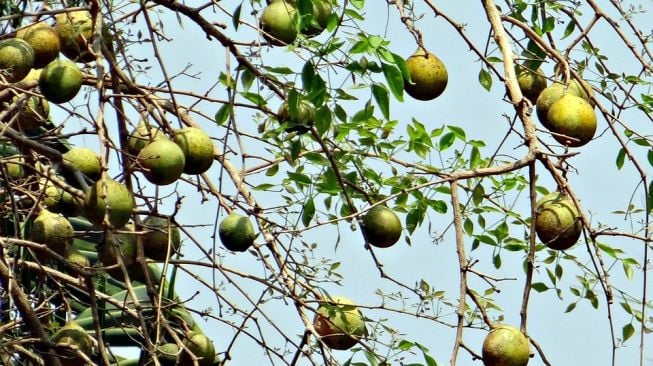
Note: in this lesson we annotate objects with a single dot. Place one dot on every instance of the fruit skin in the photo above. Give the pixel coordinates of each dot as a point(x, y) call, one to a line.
point(73, 334)
point(33, 114)
point(197, 148)
point(201, 346)
point(85, 160)
point(557, 222)
point(321, 11)
point(75, 256)
point(574, 117)
point(428, 74)
point(162, 162)
point(168, 354)
point(141, 136)
point(120, 243)
point(118, 200)
point(553, 93)
point(339, 323)
point(531, 82)
point(303, 119)
point(53, 230)
point(60, 81)
point(278, 24)
point(505, 346)
point(44, 41)
point(236, 232)
point(159, 232)
point(382, 227)
point(75, 30)
point(14, 167)
point(16, 59)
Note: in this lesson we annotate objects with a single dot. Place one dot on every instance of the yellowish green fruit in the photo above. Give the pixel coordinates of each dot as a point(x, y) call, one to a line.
point(573, 120)
point(339, 323)
point(53, 230)
point(74, 256)
point(162, 162)
point(33, 114)
point(168, 353)
point(321, 11)
point(201, 346)
point(236, 232)
point(555, 91)
point(382, 227)
point(278, 23)
point(44, 41)
point(428, 74)
point(301, 121)
point(118, 203)
point(121, 244)
point(531, 82)
point(69, 205)
point(75, 31)
point(505, 346)
point(16, 59)
point(50, 194)
point(30, 80)
point(74, 335)
point(161, 239)
point(557, 222)
point(60, 81)
point(85, 160)
point(14, 167)
point(197, 148)
point(141, 136)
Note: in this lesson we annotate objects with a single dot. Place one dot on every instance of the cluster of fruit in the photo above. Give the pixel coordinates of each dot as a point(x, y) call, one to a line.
point(280, 26)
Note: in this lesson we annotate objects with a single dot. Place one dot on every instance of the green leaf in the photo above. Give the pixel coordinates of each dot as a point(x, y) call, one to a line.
point(569, 29)
point(628, 270)
point(395, 80)
point(627, 331)
point(309, 212)
point(300, 178)
point(371, 358)
point(539, 287)
point(308, 73)
point(222, 114)
point(401, 64)
point(447, 140)
point(254, 98)
point(475, 158)
point(235, 19)
point(358, 4)
point(405, 345)
point(468, 225)
point(621, 158)
point(649, 155)
point(381, 97)
point(485, 79)
point(571, 307)
point(459, 132)
point(549, 24)
point(496, 261)
point(650, 198)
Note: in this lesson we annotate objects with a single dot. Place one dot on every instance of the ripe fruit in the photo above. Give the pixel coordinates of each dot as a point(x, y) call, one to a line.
point(85, 160)
point(531, 82)
point(33, 114)
point(557, 222)
point(339, 323)
point(159, 232)
point(75, 30)
point(236, 232)
point(382, 227)
point(197, 148)
point(301, 121)
point(162, 162)
point(428, 74)
point(118, 202)
point(16, 59)
point(119, 244)
point(278, 23)
point(60, 81)
point(572, 116)
point(74, 335)
point(201, 346)
point(141, 136)
point(44, 41)
point(505, 346)
point(52, 230)
point(555, 91)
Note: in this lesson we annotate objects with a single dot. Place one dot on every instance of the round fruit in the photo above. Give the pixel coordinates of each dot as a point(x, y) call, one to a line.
point(33, 113)
point(201, 346)
point(321, 11)
point(197, 147)
point(14, 167)
point(69, 205)
point(531, 82)
point(118, 203)
point(85, 160)
point(236, 232)
point(505, 346)
point(555, 91)
point(74, 335)
point(339, 323)
point(301, 121)
point(572, 116)
point(162, 162)
point(52, 230)
point(141, 136)
point(428, 74)
point(159, 232)
point(278, 23)
point(557, 222)
point(50, 194)
point(44, 40)
point(119, 244)
point(75, 256)
point(16, 59)
point(168, 353)
point(75, 30)
point(60, 81)
point(382, 227)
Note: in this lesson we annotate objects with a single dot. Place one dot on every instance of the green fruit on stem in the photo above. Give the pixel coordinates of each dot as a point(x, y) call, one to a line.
point(382, 227)
point(74, 256)
point(505, 346)
point(278, 23)
point(117, 204)
point(339, 323)
point(557, 222)
point(573, 120)
point(141, 136)
point(428, 74)
point(16, 59)
point(60, 81)
point(531, 82)
point(236, 232)
point(14, 167)
point(197, 148)
point(85, 160)
point(161, 239)
point(74, 335)
point(301, 121)
point(168, 353)
point(53, 230)
point(75, 31)
point(200, 346)
point(162, 162)
point(554, 92)
point(119, 244)
point(33, 114)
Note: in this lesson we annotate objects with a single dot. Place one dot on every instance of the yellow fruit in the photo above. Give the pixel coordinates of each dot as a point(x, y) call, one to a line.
point(236, 232)
point(505, 346)
point(557, 222)
point(555, 91)
point(428, 74)
point(573, 120)
point(160, 233)
point(85, 160)
point(382, 227)
point(118, 203)
point(201, 346)
point(531, 82)
point(278, 23)
point(162, 162)
point(339, 323)
point(16, 59)
point(74, 335)
point(75, 31)
point(301, 121)
point(141, 136)
point(44, 40)
point(33, 114)
point(60, 81)
point(52, 230)
point(197, 148)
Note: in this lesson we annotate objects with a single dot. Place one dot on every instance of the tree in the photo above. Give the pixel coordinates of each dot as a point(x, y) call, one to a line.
point(311, 130)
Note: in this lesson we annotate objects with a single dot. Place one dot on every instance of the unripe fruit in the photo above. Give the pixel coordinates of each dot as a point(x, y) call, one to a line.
point(531, 82)
point(428, 74)
point(160, 233)
point(75, 31)
point(303, 119)
point(162, 162)
point(505, 346)
point(16, 59)
point(44, 41)
point(201, 346)
point(382, 227)
point(118, 202)
point(52, 230)
point(85, 160)
point(197, 148)
point(143, 135)
point(60, 81)
point(278, 23)
point(557, 222)
point(339, 323)
point(236, 232)
point(74, 335)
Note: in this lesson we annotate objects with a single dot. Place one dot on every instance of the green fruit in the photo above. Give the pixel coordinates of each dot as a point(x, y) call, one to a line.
point(141, 136)
point(76, 257)
point(382, 227)
point(339, 323)
point(162, 162)
point(236, 232)
point(60, 81)
point(44, 41)
point(75, 31)
point(50, 194)
point(74, 335)
point(557, 222)
point(505, 346)
point(14, 167)
point(531, 82)
point(53, 230)
point(278, 23)
point(301, 121)
point(428, 74)
point(168, 353)
point(85, 160)
point(118, 203)
point(119, 244)
point(572, 116)
point(322, 9)
point(159, 232)
point(33, 113)
point(16, 59)
point(197, 148)
point(553, 93)
point(201, 346)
